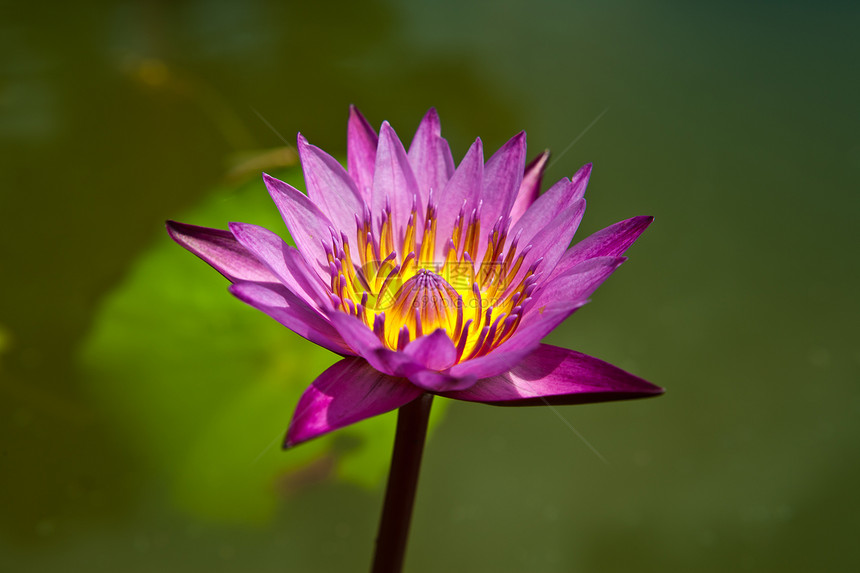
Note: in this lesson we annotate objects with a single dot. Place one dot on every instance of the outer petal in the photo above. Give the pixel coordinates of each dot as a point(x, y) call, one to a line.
point(521, 344)
point(330, 187)
point(548, 205)
point(348, 392)
point(430, 157)
point(285, 261)
point(438, 382)
point(463, 188)
point(503, 175)
point(612, 241)
point(393, 183)
point(434, 351)
point(221, 250)
point(553, 375)
point(292, 312)
point(361, 144)
point(575, 285)
point(309, 228)
point(550, 243)
point(366, 344)
point(530, 187)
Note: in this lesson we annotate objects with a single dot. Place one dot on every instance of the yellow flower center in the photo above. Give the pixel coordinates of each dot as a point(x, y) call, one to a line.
point(404, 294)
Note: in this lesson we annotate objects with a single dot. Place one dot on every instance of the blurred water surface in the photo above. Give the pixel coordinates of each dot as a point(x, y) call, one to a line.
point(734, 124)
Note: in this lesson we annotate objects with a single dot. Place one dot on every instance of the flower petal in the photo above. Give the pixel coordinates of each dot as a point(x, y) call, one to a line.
point(530, 187)
point(550, 243)
point(553, 375)
point(285, 261)
point(612, 241)
point(393, 184)
point(221, 250)
point(521, 344)
point(430, 157)
point(548, 205)
point(361, 144)
point(330, 187)
point(440, 382)
point(366, 344)
point(309, 228)
point(292, 312)
point(503, 175)
point(435, 351)
point(574, 285)
point(463, 189)
point(347, 392)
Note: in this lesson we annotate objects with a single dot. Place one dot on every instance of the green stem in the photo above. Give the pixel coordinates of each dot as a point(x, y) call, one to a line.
point(402, 483)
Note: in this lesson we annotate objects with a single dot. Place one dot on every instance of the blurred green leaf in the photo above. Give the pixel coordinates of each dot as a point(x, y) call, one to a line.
point(204, 386)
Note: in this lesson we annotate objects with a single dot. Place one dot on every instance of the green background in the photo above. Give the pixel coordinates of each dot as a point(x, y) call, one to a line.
point(141, 405)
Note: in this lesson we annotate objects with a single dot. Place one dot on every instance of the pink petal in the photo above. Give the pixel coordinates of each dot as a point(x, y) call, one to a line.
point(439, 381)
point(285, 261)
point(463, 188)
point(366, 344)
point(435, 351)
point(574, 285)
point(306, 223)
point(545, 208)
point(503, 174)
point(361, 144)
point(292, 312)
point(330, 187)
point(552, 375)
point(430, 157)
point(612, 241)
point(530, 187)
point(550, 243)
point(521, 344)
point(221, 250)
point(393, 183)
point(347, 392)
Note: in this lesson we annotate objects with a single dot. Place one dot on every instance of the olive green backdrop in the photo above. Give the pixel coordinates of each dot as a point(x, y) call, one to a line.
point(141, 406)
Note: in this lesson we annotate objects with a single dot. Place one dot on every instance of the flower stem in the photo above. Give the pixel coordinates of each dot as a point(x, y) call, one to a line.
point(402, 483)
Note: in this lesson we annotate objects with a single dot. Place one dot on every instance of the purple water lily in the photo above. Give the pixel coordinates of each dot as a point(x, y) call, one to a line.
point(426, 278)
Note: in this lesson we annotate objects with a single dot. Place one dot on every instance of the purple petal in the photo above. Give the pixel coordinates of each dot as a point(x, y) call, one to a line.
point(393, 183)
point(552, 375)
point(221, 250)
point(530, 187)
point(347, 392)
point(503, 174)
point(430, 157)
point(435, 351)
point(612, 241)
point(463, 188)
point(366, 344)
point(521, 344)
point(330, 187)
point(285, 261)
point(574, 285)
point(440, 382)
point(548, 205)
point(292, 312)
point(307, 225)
point(550, 243)
point(361, 144)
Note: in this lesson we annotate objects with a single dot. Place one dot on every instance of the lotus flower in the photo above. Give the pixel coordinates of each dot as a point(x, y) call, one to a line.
point(424, 277)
